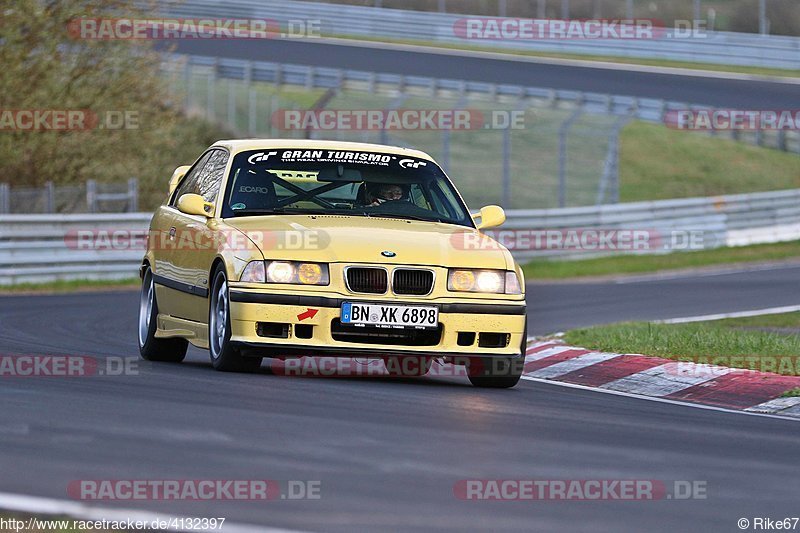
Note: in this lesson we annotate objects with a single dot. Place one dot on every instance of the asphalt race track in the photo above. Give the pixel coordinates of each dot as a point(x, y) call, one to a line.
point(388, 452)
point(740, 94)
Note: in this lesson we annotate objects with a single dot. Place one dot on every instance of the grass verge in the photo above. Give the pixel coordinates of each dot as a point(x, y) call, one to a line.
point(658, 163)
point(769, 343)
point(643, 264)
point(70, 286)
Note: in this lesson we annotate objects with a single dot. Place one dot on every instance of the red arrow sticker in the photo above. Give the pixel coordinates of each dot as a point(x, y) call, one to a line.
point(308, 313)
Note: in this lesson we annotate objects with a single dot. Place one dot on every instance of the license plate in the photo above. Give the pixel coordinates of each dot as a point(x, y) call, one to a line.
point(390, 316)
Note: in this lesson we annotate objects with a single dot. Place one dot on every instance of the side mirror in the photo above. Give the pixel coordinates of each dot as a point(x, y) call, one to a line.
point(491, 216)
point(194, 204)
point(179, 173)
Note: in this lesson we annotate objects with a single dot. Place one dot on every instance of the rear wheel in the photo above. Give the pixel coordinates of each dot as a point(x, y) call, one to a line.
point(407, 366)
point(150, 347)
point(224, 356)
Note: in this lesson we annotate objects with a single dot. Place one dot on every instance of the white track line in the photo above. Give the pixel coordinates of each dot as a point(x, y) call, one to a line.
point(738, 314)
point(775, 406)
point(80, 511)
point(703, 273)
point(659, 400)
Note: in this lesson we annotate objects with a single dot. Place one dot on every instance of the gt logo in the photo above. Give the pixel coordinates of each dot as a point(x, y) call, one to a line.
point(410, 163)
point(260, 156)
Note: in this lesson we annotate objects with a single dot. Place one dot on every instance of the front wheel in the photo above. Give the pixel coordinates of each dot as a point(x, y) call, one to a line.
point(495, 372)
point(224, 356)
point(499, 372)
point(150, 347)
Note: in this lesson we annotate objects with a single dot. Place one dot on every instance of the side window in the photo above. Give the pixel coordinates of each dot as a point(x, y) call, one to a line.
point(210, 177)
point(189, 182)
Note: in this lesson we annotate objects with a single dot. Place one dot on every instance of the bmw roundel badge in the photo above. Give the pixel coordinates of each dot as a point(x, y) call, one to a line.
point(387, 253)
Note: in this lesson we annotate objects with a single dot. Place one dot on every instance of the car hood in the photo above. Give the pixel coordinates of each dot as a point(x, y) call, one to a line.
point(333, 238)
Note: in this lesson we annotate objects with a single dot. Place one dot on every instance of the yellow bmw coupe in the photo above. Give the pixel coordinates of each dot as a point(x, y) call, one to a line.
point(292, 248)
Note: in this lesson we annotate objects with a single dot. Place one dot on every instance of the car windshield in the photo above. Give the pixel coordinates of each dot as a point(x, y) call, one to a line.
point(341, 182)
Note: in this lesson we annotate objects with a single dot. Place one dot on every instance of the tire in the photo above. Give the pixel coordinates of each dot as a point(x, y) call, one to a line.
point(150, 347)
point(224, 356)
point(406, 367)
point(498, 372)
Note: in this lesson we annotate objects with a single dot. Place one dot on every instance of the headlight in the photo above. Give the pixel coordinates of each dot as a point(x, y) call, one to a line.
point(281, 272)
point(488, 281)
point(297, 273)
point(285, 272)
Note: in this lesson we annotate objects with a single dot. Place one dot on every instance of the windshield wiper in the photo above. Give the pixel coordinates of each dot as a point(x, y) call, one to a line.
point(408, 217)
point(252, 212)
point(289, 211)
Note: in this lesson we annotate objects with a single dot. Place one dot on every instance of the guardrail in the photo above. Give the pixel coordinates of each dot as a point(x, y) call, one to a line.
point(727, 48)
point(43, 248)
point(40, 248)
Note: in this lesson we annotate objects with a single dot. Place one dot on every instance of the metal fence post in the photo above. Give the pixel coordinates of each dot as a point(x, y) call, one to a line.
point(251, 99)
point(49, 197)
point(211, 83)
point(782, 144)
point(310, 78)
point(562, 156)
point(564, 9)
point(91, 196)
point(274, 103)
point(506, 202)
point(5, 197)
point(541, 9)
point(609, 181)
point(502, 8)
point(133, 195)
point(629, 9)
point(763, 27)
point(231, 105)
point(187, 78)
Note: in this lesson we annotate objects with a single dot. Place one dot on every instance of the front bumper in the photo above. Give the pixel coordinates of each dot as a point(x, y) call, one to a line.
point(249, 308)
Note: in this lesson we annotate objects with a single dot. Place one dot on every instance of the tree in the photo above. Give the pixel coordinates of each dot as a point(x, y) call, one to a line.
point(46, 66)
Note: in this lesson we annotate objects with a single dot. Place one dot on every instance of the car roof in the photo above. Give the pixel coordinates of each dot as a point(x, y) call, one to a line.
point(241, 145)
